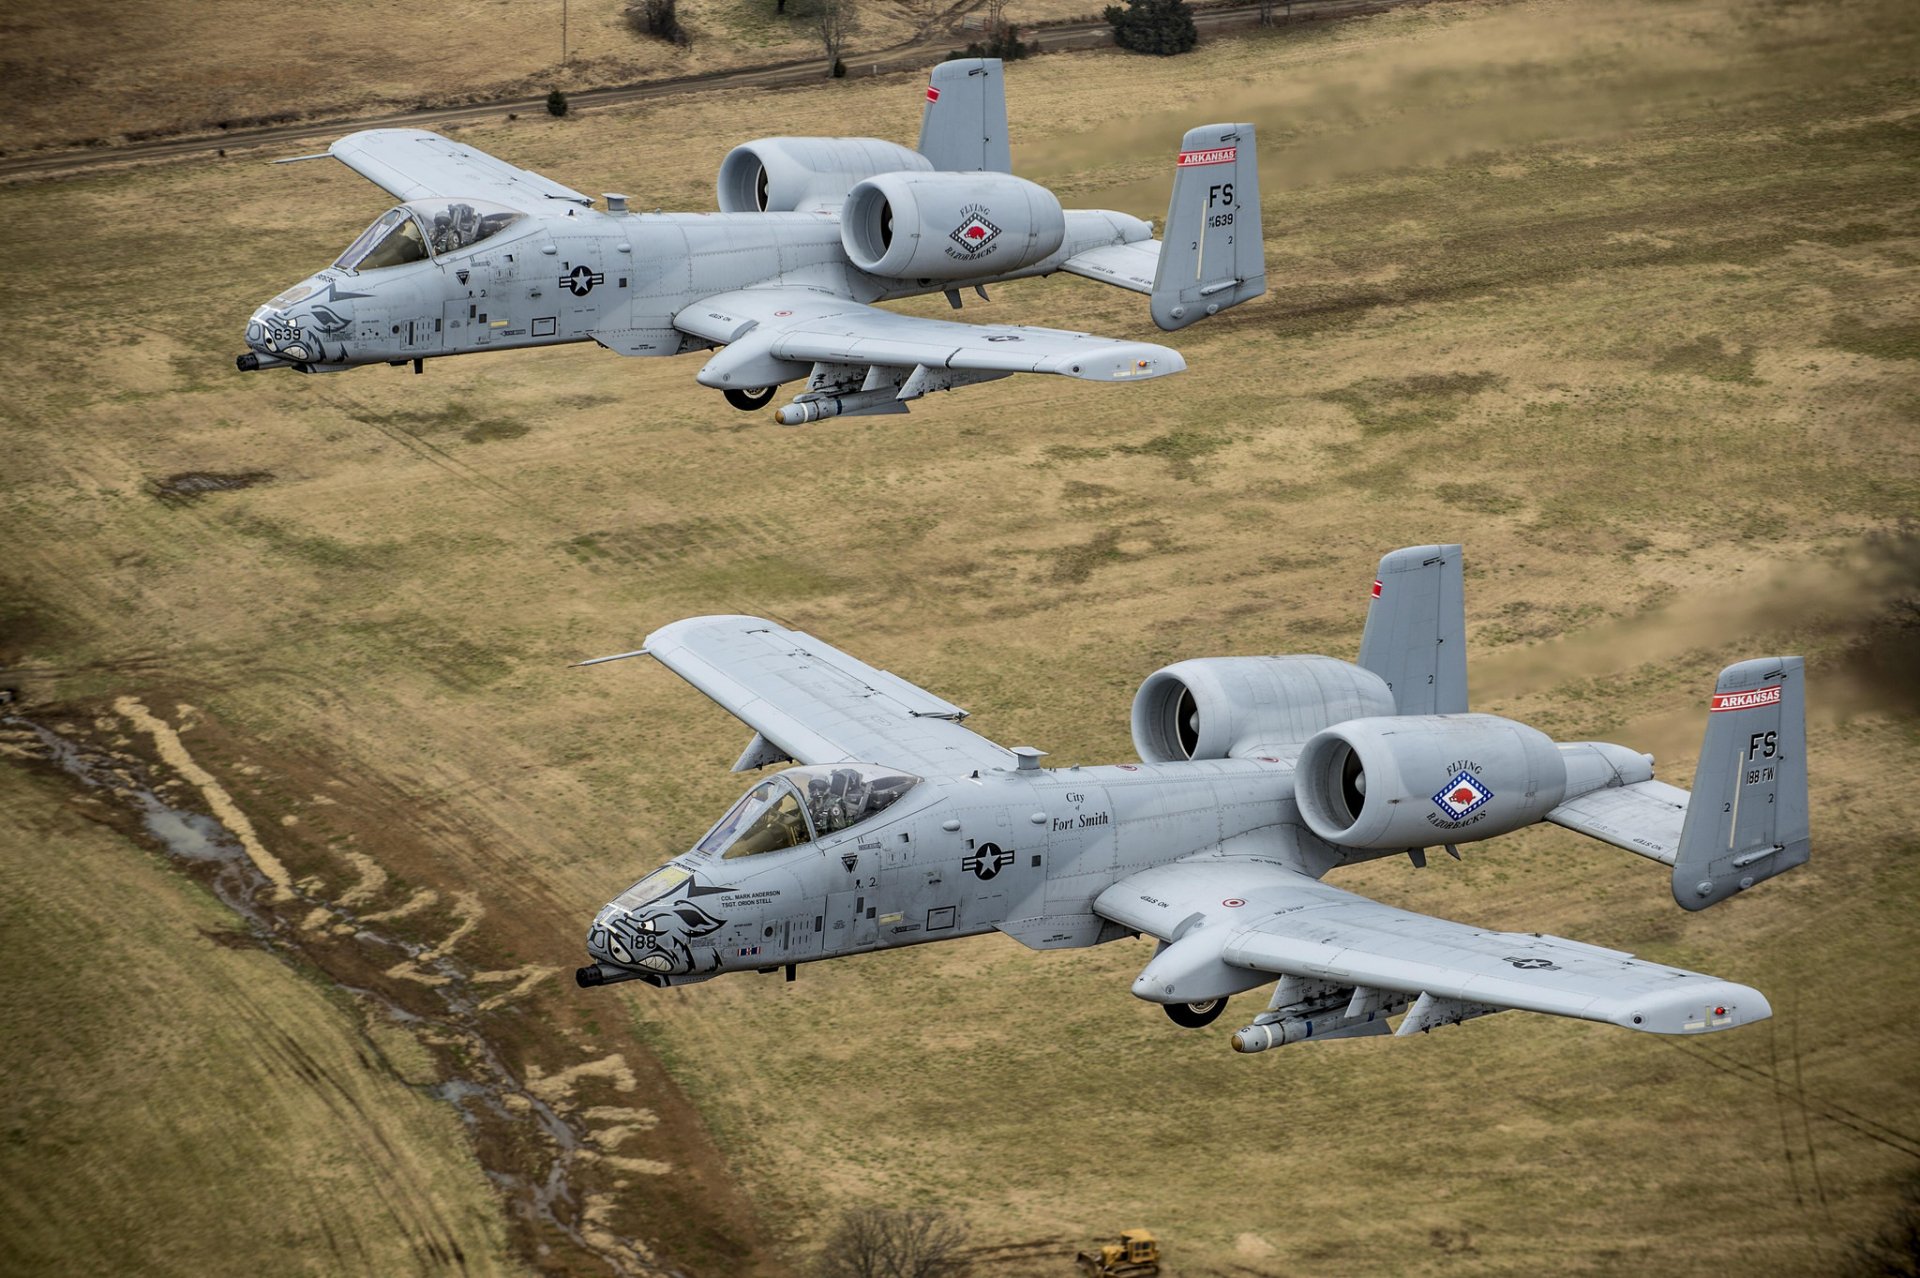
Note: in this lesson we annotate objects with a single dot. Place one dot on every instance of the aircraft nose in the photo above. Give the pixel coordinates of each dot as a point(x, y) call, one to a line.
point(304, 325)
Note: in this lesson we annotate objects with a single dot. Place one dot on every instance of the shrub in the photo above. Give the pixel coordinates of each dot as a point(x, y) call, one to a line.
point(556, 103)
point(1003, 43)
point(1153, 26)
point(659, 19)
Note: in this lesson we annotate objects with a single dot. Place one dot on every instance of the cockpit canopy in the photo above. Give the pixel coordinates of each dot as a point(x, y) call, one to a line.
point(803, 804)
point(423, 228)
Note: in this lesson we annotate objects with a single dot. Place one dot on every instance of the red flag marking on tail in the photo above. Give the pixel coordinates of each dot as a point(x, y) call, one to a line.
point(1376, 589)
point(933, 94)
point(1746, 700)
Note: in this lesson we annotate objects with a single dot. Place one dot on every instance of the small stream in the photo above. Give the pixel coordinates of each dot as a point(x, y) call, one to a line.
point(209, 851)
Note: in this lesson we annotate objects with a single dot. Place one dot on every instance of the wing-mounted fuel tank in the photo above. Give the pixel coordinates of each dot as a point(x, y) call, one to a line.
point(1414, 781)
point(797, 175)
point(949, 225)
point(1242, 707)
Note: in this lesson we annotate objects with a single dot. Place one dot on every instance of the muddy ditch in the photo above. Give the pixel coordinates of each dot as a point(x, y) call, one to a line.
point(541, 1158)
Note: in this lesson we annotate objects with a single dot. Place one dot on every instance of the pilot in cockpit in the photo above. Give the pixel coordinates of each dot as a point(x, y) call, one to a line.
point(455, 228)
point(837, 800)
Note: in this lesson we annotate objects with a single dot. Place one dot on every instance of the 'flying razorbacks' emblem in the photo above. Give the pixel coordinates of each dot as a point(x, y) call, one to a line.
point(1462, 795)
point(580, 280)
point(988, 860)
point(974, 233)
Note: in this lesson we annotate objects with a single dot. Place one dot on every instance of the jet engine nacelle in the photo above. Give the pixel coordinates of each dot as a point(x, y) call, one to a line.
point(787, 175)
point(949, 225)
point(1237, 707)
point(1413, 781)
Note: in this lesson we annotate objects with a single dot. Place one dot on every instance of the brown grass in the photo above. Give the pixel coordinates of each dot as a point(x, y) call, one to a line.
point(1612, 293)
point(91, 71)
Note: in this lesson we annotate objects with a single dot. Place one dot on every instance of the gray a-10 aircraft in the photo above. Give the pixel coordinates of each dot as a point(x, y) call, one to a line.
point(1258, 776)
point(486, 256)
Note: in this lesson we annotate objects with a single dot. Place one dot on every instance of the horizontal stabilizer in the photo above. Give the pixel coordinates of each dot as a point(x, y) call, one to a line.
point(1130, 266)
point(1645, 818)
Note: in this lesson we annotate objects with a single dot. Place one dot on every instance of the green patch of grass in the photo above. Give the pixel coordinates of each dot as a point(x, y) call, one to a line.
point(1073, 452)
point(1881, 341)
point(1180, 449)
point(422, 644)
point(455, 416)
point(1386, 405)
point(1522, 621)
point(318, 549)
point(1711, 357)
point(1480, 497)
point(1075, 563)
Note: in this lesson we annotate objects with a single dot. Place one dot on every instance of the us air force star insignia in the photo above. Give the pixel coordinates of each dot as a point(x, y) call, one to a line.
point(988, 860)
point(1534, 964)
point(580, 280)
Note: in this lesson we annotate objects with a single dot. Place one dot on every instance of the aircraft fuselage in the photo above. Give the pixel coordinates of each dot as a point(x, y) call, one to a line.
point(620, 279)
point(1024, 851)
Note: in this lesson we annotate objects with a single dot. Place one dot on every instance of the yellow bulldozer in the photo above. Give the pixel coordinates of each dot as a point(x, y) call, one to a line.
point(1137, 1252)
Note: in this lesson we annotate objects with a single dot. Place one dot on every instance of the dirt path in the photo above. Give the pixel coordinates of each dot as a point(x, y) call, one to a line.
point(933, 39)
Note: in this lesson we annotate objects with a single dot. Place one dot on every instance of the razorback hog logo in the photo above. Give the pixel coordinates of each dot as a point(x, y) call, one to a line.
point(660, 939)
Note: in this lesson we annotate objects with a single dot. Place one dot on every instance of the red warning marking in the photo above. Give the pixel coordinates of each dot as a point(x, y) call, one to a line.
point(933, 94)
point(1221, 155)
point(1233, 903)
point(1376, 589)
point(1746, 700)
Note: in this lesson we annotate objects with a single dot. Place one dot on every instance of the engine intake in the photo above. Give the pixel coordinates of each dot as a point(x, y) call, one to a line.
point(949, 225)
point(787, 175)
point(1238, 707)
point(1413, 781)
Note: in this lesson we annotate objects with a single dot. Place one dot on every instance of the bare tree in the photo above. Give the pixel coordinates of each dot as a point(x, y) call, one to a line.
point(836, 21)
point(882, 1242)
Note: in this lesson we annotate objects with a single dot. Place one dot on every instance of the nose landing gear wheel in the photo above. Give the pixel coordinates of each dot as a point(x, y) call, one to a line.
point(1196, 1015)
point(748, 400)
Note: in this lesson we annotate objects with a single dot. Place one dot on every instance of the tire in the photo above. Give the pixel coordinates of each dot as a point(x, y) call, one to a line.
point(749, 400)
point(1196, 1015)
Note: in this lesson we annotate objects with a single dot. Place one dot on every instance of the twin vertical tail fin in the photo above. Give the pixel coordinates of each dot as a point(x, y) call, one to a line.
point(1747, 817)
point(1212, 255)
point(963, 128)
point(1416, 635)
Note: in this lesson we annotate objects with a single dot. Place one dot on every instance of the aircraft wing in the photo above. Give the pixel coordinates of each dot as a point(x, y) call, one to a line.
point(814, 703)
point(802, 326)
point(413, 164)
point(1258, 915)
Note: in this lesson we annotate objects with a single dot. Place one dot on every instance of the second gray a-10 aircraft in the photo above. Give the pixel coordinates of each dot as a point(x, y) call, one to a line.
point(811, 231)
point(1258, 776)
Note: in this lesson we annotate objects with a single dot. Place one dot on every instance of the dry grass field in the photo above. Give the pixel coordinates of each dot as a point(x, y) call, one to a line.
point(1621, 294)
point(93, 71)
